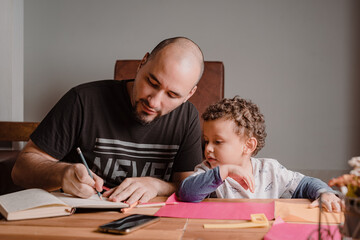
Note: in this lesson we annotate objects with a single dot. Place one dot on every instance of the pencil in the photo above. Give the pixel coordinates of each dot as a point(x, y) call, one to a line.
point(87, 168)
point(124, 210)
point(155, 204)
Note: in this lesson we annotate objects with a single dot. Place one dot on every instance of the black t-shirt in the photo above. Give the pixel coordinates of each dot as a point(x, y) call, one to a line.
point(98, 118)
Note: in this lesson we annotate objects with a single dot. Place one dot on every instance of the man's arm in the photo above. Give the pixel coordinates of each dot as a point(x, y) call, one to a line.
point(144, 188)
point(36, 169)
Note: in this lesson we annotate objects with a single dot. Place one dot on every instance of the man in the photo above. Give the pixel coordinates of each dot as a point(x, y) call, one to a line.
point(139, 137)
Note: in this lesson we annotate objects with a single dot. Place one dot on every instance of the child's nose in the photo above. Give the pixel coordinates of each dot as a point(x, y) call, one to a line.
point(209, 148)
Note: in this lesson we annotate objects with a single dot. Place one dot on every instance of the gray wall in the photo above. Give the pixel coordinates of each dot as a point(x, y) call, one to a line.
point(294, 58)
point(11, 60)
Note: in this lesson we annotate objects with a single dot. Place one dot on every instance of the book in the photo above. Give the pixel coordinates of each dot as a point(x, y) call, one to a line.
point(39, 203)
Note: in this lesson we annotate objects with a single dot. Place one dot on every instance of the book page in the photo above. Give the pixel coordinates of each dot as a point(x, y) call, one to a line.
point(92, 202)
point(27, 199)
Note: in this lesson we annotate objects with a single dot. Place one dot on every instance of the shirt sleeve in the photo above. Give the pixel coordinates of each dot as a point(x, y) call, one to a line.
point(58, 132)
point(311, 188)
point(197, 187)
point(189, 154)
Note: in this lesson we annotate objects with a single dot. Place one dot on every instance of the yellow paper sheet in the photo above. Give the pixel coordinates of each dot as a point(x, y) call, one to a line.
point(300, 212)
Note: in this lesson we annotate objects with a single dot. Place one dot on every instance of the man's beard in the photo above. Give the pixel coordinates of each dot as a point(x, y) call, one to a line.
point(141, 116)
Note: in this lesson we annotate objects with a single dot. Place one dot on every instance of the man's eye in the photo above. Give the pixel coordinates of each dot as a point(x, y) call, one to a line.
point(152, 83)
point(172, 95)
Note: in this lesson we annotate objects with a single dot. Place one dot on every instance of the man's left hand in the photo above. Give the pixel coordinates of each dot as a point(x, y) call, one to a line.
point(140, 189)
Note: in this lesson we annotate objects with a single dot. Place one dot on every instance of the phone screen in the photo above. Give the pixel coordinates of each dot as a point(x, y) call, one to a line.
point(128, 224)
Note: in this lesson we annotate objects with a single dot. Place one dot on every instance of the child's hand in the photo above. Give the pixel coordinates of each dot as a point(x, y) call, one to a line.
point(237, 173)
point(330, 201)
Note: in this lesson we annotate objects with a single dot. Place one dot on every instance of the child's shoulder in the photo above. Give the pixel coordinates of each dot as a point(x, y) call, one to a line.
point(204, 166)
point(266, 163)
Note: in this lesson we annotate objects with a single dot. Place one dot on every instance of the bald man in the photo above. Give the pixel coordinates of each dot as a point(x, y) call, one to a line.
point(139, 137)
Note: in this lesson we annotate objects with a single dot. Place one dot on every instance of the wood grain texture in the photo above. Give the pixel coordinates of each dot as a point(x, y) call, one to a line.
point(16, 131)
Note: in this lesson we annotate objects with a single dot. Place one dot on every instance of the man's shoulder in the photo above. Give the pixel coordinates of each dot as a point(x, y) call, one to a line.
point(100, 84)
point(187, 109)
point(101, 88)
point(183, 117)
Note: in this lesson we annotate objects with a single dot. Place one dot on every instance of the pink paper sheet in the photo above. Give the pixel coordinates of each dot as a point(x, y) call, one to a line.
point(295, 231)
point(215, 210)
point(172, 198)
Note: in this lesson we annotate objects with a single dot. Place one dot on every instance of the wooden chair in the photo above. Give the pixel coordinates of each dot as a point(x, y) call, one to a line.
point(12, 132)
point(16, 131)
point(210, 87)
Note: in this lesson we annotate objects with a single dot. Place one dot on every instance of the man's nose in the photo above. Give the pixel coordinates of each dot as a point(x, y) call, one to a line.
point(155, 100)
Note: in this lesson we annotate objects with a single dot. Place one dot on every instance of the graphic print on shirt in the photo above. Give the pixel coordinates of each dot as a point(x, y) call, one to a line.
point(269, 187)
point(289, 183)
point(117, 159)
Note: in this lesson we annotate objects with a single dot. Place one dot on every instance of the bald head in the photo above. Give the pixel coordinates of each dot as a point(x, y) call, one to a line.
point(186, 49)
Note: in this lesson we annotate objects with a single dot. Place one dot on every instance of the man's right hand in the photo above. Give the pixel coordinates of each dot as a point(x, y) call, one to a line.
point(34, 168)
point(76, 181)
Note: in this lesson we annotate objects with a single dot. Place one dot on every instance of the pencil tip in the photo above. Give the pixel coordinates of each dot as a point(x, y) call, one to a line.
point(100, 196)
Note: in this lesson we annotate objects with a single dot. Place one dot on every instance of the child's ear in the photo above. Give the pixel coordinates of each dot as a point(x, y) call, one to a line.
point(250, 146)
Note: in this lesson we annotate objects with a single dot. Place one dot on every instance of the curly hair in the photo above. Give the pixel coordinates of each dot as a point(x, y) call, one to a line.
point(244, 113)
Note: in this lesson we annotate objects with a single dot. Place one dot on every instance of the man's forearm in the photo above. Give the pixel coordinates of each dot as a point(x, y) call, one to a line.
point(164, 188)
point(34, 170)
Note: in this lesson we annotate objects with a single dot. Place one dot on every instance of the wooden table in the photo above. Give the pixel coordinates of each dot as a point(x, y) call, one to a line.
point(83, 225)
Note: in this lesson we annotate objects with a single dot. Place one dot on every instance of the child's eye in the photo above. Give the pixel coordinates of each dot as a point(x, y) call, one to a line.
point(218, 142)
point(206, 142)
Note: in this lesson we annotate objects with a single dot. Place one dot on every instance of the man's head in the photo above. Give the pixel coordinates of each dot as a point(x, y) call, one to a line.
point(166, 78)
point(234, 130)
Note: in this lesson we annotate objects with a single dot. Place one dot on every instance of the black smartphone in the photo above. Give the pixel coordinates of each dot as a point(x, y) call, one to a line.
point(128, 224)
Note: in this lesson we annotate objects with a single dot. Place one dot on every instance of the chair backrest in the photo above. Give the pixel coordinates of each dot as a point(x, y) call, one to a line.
point(210, 87)
point(16, 131)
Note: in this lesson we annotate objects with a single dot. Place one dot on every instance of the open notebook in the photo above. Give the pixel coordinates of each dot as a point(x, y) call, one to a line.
point(38, 203)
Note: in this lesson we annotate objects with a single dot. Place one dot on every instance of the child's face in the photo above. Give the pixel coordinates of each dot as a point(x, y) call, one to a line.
point(222, 144)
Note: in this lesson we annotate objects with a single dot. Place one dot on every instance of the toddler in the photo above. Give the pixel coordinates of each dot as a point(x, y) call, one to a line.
point(234, 132)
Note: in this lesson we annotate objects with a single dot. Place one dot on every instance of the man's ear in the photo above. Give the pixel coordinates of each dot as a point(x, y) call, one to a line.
point(250, 146)
point(193, 90)
point(143, 61)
